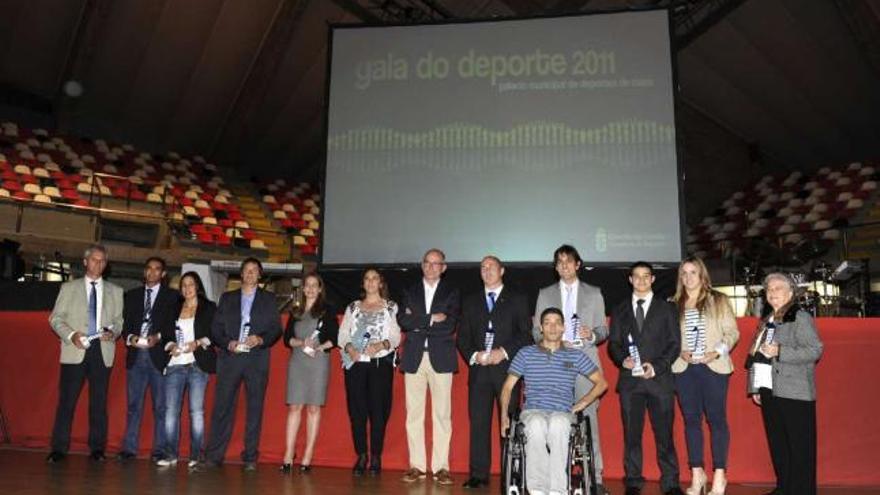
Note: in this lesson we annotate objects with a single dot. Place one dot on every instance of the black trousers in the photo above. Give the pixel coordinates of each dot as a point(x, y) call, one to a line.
point(660, 404)
point(232, 369)
point(368, 392)
point(484, 392)
point(790, 426)
point(70, 385)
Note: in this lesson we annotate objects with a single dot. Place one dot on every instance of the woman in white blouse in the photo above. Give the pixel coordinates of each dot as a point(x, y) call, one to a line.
point(702, 370)
point(368, 336)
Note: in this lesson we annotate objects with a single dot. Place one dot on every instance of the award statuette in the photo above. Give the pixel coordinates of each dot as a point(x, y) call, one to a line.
point(347, 362)
point(242, 337)
point(178, 338)
point(760, 366)
point(490, 337)
point(310, 351)
point(699, 350)
point(576, 341)
point(145, 331)
point(488, 340)
point(86, 340)
point(638, 369)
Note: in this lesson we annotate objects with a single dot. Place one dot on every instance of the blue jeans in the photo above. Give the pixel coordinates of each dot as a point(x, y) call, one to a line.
point(142, 374)
point(701, 390)
point(177, 380)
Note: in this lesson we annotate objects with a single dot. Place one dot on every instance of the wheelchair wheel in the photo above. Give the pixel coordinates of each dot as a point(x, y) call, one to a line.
point(581, 466)
point(513, 462)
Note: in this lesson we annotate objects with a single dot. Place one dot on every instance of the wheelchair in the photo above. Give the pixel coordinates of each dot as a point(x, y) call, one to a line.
point(581, 465)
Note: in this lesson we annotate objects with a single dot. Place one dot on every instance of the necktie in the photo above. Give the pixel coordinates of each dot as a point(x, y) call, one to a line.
point(640, 313)
point(490, 301)
point(569, 303)
point(148, 309)
point(93, 309)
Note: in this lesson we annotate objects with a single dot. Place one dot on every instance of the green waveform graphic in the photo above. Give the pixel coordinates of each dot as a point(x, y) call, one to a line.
point(533, 134)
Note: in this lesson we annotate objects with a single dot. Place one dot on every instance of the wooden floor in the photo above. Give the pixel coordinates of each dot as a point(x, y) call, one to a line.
point(24, 472)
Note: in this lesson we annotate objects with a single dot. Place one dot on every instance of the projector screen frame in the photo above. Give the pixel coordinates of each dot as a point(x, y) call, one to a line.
point(407, 265)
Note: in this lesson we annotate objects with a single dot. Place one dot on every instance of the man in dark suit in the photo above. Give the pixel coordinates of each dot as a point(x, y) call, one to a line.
point(87, 318)
point(504, 315)
point(645, 340)
point(428, 314)
point(149, 310)
point(245, 326)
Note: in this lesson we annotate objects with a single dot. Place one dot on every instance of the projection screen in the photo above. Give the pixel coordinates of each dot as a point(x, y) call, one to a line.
point(505, 137)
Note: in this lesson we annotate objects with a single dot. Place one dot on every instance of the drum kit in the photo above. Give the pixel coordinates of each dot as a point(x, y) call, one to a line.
point(823, 289)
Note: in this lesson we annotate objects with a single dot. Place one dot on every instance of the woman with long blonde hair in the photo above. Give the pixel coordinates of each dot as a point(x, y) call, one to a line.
point(702, 370)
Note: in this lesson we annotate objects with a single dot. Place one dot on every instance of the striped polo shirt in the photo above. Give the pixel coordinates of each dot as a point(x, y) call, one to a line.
point(550, 376)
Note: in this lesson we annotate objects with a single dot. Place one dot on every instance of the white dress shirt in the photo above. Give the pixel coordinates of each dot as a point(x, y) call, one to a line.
point(645, 305)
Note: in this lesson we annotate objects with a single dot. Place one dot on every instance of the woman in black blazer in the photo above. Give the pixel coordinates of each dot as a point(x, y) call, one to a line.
point(192, 362)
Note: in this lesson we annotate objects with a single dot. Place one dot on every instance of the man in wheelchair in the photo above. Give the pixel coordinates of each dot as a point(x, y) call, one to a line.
point(549, 370)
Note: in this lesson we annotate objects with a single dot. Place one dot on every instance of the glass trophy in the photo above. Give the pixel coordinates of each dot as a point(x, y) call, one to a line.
point(145, 331)
point(576, 341)
point(771, 332)
point(310, 351)
point(699, 350)
point(179, 338)
point(348, 362)
point(86, 340)
point(366, 341)
point(638, 369)
point(242, 338)
point(490, 338)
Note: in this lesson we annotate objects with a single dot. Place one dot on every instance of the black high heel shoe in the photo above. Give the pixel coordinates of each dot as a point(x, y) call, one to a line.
point(375, 465)
point(305, 468)
point(286, 468)
point(360, 465)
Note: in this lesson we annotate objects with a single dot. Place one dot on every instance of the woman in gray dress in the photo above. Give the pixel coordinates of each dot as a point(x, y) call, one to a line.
point(311, 333)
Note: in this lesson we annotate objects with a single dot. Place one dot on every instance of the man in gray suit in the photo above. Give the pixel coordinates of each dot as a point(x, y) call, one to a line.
point(585, 328)
point(87, 318)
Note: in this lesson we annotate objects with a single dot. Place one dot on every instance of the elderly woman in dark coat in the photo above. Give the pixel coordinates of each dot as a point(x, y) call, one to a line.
point(782, 363)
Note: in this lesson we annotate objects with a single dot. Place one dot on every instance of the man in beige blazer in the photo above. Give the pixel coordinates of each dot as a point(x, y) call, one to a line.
point(87, 319)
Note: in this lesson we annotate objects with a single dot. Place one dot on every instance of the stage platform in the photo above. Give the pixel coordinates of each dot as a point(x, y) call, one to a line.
point(26, 473)
point(847, 408)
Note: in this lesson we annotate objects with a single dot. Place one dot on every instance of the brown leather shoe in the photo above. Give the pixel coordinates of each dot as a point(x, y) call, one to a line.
point(443, 477)
point(413, 475)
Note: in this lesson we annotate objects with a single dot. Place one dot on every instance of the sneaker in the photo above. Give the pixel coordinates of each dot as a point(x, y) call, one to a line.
point(443, 477)
point(412, 475)
point(192, 464)
point(166, 462)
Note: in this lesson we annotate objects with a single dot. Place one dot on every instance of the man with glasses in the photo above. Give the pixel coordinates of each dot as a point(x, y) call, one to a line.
point(428, 316)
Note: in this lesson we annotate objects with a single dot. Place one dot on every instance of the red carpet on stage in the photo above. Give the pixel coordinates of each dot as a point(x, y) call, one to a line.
point(848, 401)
